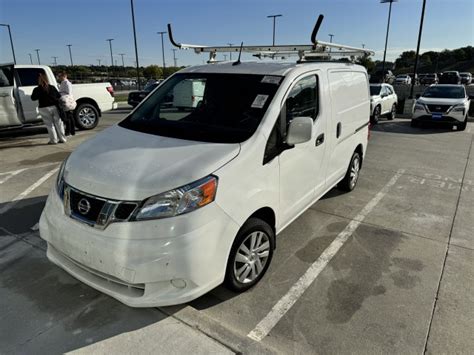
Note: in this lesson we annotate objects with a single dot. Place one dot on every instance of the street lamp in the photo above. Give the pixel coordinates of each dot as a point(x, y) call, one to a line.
point(111, 55)
point(55, 60)
point(415, 69)
point(70, 54)
point(136, 48)
point(31, 58)
point(123, 63)
point(162, 47)
point(386, 36)
point(330, 37)
point(174, 57)
point(274, 19)
point(38, 56)
point(11, 40)
point(98, 61)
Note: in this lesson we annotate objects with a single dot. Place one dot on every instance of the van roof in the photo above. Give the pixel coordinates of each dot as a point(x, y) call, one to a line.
point(264, 68)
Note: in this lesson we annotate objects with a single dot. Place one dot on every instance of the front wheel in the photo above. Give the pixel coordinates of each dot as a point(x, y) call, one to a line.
point(376, 115)
point(250, 256)
point(462, 126)
point(87, 116)
point(352, 175)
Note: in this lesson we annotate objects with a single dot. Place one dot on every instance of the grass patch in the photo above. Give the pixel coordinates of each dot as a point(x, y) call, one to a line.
point(121, 97)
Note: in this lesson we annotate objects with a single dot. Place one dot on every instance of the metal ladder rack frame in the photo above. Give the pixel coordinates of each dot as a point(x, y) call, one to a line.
point(306, 52)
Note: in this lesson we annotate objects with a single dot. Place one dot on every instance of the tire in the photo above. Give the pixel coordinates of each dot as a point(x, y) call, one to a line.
point(263, 234)
point(393, 112)
point(462, 126)
point(352, 175)
point(414, 123)
point(376, 115)
point(86, 116)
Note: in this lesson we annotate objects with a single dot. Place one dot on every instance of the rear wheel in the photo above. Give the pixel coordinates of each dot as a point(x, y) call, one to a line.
point(250, 256)
point(352, 175)
point(393, 112)
point(87, 116)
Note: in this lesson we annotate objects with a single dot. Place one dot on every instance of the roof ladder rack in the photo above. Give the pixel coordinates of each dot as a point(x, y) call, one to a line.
point(317, 50)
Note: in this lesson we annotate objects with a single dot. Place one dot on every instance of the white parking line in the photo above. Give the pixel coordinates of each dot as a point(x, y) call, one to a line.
point(14, 172)
point(289, 299)
point(9, 175)
point(25, 193)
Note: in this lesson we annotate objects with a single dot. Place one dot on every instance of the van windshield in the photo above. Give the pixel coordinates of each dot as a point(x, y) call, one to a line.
point(221, 108)
point(445, 92)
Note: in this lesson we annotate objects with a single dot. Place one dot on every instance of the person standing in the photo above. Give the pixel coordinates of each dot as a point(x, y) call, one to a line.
point(48, 99)
point(68, 104)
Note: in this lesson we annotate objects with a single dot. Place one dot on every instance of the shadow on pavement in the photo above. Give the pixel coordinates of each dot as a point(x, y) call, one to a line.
point(405, 128)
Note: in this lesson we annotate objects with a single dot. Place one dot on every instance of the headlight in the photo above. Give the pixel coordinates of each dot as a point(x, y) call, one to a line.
point(179, 201)
point(420, 107)
point(60, 180)
point(459, 108)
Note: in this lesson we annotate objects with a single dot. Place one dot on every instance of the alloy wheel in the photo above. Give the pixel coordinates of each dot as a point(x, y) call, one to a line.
point(87, 117)
point(251, 257)
point(354, 174)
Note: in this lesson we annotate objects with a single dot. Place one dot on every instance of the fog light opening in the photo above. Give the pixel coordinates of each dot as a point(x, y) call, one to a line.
point(178, 283)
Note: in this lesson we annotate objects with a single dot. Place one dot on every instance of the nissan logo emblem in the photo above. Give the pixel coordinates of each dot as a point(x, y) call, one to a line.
point(83, 206)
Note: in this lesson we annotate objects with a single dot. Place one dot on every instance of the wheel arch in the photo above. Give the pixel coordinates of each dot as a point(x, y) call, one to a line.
point(88, 100)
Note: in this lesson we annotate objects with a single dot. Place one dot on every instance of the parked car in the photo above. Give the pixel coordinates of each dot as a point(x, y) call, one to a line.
point(168, 204)
point(414, 79)
point(403, 79)
point(135, 97)
point(429, 79)
point(17, 109)
point(378, 77)
point(383, 102)
point(450, 77)
point(188, 93)
point(448, 104)
point(466, 78)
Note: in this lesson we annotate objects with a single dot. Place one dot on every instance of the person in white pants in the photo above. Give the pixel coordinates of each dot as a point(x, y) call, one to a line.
point(48, 97)
point(52, 121)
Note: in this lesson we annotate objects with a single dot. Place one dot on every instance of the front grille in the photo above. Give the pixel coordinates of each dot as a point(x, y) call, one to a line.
point(96, 211)
point(85, 207)
point(438, 108)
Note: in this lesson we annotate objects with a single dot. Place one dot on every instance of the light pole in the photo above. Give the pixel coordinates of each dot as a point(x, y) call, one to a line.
point(38, 56)
point(174, 57)
point(135, 41)
point(31, 58)
point(386, 36)
point(330, 37)
point(363, 45)
point(11, 40)
point(162, 47)
point(55, 60)
point(111, 55)
point(70, 54)
point(418, 49)
point(123, 63)
point(230, 53)
point(274, 20)
point(98, 61)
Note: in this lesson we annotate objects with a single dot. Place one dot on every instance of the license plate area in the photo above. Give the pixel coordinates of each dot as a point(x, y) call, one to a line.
point(436, 116)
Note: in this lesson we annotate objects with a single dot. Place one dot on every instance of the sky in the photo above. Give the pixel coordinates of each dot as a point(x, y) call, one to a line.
point(49, 25)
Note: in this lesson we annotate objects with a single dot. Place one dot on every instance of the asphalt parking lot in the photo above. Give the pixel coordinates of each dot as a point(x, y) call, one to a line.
point(401, 281)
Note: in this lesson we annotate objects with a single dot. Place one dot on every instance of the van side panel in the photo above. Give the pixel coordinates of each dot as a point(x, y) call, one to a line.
point(350, 101)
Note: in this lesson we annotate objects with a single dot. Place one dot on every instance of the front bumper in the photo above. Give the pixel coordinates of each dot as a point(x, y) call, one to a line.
point(143, 264)
point(446, 117)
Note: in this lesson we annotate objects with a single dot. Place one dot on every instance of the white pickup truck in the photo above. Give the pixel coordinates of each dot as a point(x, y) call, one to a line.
point(17, 109)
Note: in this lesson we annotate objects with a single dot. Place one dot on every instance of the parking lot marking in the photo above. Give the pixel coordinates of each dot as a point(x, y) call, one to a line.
point(25, 193)
point(7, 176)
point(289, 299)
point(14, 172)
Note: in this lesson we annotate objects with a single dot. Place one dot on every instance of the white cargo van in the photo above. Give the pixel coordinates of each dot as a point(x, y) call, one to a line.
point(188, 93)
point(168, 204)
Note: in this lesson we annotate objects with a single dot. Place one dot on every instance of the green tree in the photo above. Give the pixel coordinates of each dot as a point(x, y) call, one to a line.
point(152, 72)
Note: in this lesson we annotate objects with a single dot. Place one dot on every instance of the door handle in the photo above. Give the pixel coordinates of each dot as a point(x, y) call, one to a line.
point(338, 129)
point(320, 139)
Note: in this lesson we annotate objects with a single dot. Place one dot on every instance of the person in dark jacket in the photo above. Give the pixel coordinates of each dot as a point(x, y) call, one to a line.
point(48, 99)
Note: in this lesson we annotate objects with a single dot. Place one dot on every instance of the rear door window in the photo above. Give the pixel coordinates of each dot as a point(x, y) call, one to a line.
point(29, 76)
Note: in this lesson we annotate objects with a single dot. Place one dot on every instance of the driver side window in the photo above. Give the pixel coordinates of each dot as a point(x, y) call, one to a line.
point(303, 99)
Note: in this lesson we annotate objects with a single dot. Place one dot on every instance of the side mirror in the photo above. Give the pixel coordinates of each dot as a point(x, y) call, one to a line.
point(418, 96)
point(300, 130)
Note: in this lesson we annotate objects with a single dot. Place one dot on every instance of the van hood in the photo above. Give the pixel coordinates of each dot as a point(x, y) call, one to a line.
point(122, 164)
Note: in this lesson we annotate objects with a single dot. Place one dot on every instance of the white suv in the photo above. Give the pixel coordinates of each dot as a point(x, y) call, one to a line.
point(447, 104)
point(383, 102)
point(169, 203)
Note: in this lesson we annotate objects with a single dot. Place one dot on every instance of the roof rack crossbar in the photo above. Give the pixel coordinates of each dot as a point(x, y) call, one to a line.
point(316, 49)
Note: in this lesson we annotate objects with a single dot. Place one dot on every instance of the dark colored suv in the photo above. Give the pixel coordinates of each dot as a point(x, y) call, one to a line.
point(429, 79)
point(450, 77)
